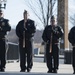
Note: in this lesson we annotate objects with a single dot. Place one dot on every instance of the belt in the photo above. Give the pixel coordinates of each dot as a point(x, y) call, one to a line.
point(56, 43)
point(25, 39)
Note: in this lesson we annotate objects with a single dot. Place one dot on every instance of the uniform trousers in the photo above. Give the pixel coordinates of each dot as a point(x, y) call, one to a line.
point(26, 55)
point(52, 58)
point(2, 54)
point(73, 62)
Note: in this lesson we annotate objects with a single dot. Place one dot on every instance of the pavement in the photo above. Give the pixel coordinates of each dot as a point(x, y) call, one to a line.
point(39, 68)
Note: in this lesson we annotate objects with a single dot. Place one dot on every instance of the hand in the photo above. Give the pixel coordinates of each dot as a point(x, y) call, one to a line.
point(47, 41)
point(0, 28)
point(24, 29)
point(55, 31)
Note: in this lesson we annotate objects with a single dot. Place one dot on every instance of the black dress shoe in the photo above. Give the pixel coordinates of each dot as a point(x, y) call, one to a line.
point(55, 71)
point(2, 70)
point(49, 71)
point(28, 69)
point(23, 70)
point(73, 72)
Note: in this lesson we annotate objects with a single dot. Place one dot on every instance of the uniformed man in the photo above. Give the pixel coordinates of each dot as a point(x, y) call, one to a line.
point(25, 31)
point(71, 38)
point(51, 36)
point(4, 27)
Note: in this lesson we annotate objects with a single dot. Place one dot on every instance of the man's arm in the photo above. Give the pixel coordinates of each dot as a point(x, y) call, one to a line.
point(18, 30)
point(59, 32)
point(44, 36)
point(71, 37)
point(32, 28)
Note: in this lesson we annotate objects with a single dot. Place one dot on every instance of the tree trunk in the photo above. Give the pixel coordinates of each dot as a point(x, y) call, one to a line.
point(63, 22)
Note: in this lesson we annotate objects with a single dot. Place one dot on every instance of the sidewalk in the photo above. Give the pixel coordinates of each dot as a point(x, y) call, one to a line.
point(40, 67)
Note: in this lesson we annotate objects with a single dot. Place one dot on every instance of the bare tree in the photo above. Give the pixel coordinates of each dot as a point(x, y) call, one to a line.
point(71, 12)
point(42, 9)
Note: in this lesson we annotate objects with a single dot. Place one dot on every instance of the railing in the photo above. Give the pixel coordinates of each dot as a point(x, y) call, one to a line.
point(12, 51)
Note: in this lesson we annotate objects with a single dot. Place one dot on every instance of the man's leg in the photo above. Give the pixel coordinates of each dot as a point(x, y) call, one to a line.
point(49, 62)
point(3, 51)
point(73, 64)
point(56, 58)
point(22, 59)
point(29, 57)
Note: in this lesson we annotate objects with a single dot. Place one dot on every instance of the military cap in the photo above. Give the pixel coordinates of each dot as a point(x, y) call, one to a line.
point(52, 17)
point(25, 12)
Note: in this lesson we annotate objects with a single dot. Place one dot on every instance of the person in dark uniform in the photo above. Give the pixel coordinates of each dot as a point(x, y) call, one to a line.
point(51, 35)
point(4, 27)
point(25, 31)
point(71, 38)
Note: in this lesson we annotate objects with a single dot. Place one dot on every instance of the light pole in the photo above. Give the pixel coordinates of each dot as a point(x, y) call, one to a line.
point(3, 4)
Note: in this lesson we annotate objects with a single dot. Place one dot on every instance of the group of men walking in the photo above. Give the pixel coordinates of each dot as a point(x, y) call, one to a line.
point(25, 30)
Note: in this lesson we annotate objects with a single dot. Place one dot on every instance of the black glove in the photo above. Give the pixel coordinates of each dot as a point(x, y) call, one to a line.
point(24, 29)
point(54, 31)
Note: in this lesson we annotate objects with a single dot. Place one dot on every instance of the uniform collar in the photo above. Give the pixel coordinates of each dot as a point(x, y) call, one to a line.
point(27, 20)
point(1, 19)
point(54, 26)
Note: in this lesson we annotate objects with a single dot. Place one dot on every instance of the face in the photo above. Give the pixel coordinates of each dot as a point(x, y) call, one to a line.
point(53, 22)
